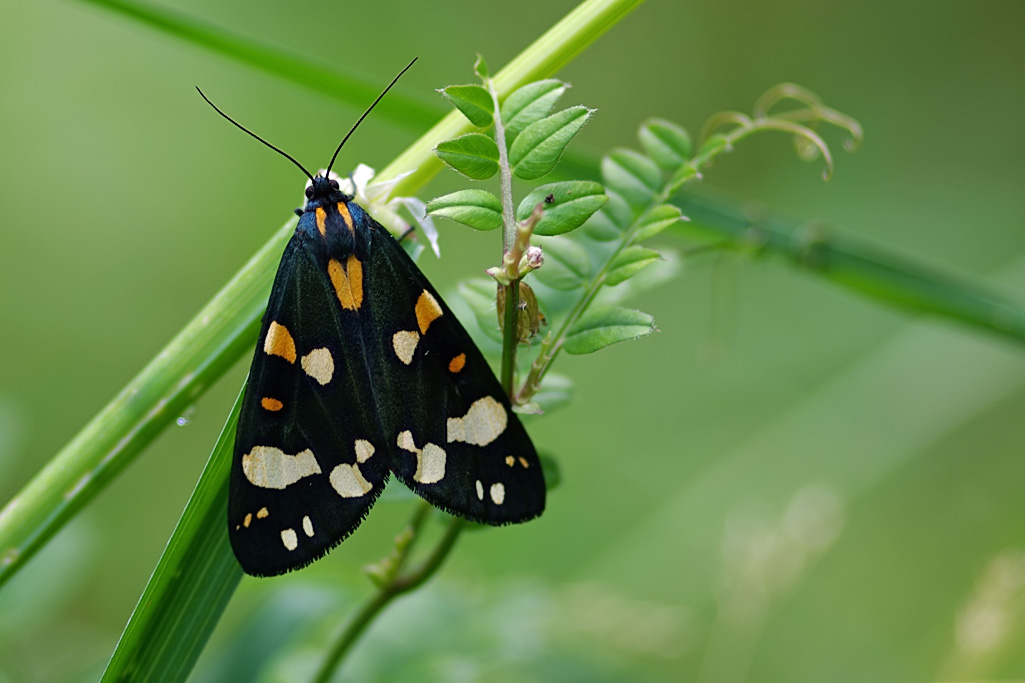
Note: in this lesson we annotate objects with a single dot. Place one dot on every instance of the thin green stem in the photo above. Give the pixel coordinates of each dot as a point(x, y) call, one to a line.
point(397, 586)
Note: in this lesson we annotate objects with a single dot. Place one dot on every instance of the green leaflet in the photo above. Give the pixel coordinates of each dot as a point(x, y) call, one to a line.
point(629, 262)
point(531, 103)
point(632, 175)
point(566, 205)
point(665, 143)
point(657, 220)
point(475, 155)
point(537, 149)
point(602, 327)
point(478, 209)
point(473, 101)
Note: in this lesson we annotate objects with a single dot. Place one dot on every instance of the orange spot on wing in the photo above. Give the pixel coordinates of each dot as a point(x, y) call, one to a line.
point(343, 211)
point(279, 342)
point(348, 282)
point(321, 220)
point(457, 363)
point(271, 404)
point(427, 311)
point(248, 520)
point(523, 461)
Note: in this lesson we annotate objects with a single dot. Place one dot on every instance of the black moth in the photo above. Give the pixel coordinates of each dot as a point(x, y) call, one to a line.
point(361, 370)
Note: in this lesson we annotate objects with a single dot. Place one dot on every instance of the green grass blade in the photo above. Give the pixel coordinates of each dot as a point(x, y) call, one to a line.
point(873, 271)
point(401, 108)
point(227, 326)
point(191, 586)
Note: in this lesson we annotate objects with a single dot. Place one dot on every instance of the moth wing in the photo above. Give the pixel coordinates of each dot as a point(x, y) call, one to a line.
point(309, 456)
point(453, 437)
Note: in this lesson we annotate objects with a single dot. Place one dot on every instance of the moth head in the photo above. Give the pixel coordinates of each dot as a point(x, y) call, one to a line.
point(321, 188)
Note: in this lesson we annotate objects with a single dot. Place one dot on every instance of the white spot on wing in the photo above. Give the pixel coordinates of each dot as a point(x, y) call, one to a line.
point(289, 538)
point(498, 493)
point(430, 460)
point(483, 423)
point(271, 468)
point(480, 490)
point(404, 342)
point(364, 449)
point(348, 481)
point(307, 526)
point(319, 364)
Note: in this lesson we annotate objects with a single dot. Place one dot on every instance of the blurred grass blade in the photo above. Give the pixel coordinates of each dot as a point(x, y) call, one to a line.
point(877, 272)
point(227, 326)
point(204, 349)
point(191, 585)
point(401, 108)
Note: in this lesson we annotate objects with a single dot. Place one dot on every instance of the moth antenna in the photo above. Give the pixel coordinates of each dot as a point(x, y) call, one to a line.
point(246, 130)
point(369, 109)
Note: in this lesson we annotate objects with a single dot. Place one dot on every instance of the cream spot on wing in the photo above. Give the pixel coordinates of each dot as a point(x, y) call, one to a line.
point(510, 461)
point(364, 449)
point(405, 441)
point(348, 481)
point(430, 460)
point(272, 468)
point(262, 513)
point(404, 343)
point(248, 520)
point(289, 538)
point(427, 311)
point(430, 465)
point(279, 342)
point(483, 423)
point(498, 493)
point(307, 526)
point(319, 365)
point(523, 461)
point(480, 490)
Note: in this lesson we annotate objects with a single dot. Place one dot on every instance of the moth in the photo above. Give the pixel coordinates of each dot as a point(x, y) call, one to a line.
point(362, 371)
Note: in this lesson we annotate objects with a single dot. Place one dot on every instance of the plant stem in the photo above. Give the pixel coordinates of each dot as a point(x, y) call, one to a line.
point(395, 587)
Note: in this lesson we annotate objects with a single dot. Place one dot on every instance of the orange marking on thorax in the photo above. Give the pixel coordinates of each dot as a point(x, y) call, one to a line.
point(343, 211)
point(271, 404)
point(427, 311)
point(457, 363)
point(321, 221)
point(279, 342)
point(348, 282)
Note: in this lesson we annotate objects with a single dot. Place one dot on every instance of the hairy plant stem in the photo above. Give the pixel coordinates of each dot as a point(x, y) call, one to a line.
point(512, 290)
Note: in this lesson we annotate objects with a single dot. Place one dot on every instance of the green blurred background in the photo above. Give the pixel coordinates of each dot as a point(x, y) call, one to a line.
point(787, 483)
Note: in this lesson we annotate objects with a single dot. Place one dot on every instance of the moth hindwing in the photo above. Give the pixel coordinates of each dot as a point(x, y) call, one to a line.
point(362, 371)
